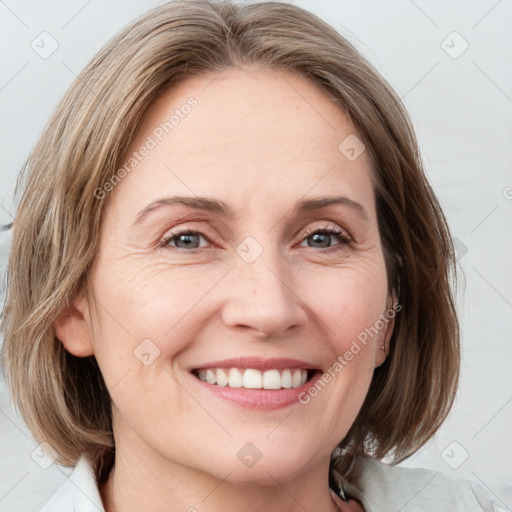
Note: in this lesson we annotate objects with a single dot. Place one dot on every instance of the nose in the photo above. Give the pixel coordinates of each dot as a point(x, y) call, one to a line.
point(263, 299)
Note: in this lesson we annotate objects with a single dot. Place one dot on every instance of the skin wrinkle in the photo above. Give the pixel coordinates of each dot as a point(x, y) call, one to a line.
point(218, 303)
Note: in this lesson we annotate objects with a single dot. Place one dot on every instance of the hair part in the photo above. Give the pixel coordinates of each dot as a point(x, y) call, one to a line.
point(63, 398)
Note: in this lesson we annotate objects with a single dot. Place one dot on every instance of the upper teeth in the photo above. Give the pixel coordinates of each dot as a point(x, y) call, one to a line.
point(254, 379)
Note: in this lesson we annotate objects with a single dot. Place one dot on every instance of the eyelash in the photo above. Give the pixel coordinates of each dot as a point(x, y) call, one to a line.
point(343, 237)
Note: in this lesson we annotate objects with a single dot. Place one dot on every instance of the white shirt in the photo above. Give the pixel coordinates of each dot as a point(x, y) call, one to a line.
point(383, 488)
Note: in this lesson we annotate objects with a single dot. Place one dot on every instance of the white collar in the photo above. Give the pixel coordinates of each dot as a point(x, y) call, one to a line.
point(380, 488)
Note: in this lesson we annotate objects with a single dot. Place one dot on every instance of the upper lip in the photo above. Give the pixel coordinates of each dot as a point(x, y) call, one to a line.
point(258, 363)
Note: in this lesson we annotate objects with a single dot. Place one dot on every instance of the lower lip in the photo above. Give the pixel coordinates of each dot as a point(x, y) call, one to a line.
point(260, 398)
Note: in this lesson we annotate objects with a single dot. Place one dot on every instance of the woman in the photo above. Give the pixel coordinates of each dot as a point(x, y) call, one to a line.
point(229, 285)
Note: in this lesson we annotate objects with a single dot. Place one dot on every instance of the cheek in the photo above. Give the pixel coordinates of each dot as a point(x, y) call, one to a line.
point(149, 300)
point(347, 301)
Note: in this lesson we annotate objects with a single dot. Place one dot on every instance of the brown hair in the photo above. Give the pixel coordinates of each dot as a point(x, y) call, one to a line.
point(63, 398)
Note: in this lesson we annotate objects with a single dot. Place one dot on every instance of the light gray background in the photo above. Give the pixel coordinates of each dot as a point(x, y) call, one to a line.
point(462, 110)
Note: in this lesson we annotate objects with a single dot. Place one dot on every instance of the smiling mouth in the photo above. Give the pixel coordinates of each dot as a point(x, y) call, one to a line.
point(251, 378)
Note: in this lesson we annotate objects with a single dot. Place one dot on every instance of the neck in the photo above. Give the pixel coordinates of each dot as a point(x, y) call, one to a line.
point(139, 481)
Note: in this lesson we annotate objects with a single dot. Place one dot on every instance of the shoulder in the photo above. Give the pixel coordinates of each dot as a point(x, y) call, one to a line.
point(383, 487)
point(79, 493)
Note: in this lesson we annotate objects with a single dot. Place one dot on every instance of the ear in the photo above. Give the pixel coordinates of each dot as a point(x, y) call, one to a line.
point(72, 327)
point(387, 332)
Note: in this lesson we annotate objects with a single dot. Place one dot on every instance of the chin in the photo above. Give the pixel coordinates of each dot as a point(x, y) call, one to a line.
point(263, 462)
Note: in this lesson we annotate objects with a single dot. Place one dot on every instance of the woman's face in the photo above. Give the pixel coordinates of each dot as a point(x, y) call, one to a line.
point(257, 294)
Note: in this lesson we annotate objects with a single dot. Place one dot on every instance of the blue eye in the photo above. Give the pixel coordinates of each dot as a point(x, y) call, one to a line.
point(188, 240)
point(324, 235)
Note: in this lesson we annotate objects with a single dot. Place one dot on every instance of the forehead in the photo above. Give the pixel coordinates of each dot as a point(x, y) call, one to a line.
point(257, 135)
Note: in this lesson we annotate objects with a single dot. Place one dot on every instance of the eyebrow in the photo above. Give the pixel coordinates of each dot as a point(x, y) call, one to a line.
point(220, 208)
